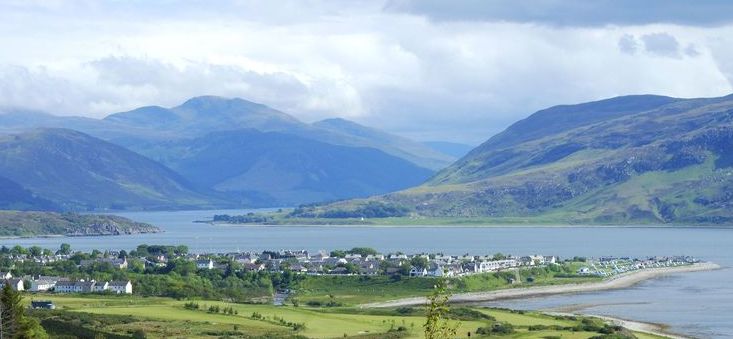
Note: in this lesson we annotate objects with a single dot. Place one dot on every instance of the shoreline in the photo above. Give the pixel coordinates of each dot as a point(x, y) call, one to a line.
point(459, 225)
point(618, 282)
point(631, 325)
point(639, 326)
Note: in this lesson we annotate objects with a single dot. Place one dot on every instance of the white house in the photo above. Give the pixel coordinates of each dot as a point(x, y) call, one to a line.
point(121, 287)
point(418, 272)
point(100, 287)
point(5, 275)
point(16, 284)
point(206, 264)
point(40, 285)
point(74, 286)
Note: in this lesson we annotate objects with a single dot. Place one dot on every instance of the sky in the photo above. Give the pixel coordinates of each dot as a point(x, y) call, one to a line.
point(456, 71)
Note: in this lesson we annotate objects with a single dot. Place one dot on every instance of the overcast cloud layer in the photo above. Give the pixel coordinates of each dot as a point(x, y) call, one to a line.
point(419, 68)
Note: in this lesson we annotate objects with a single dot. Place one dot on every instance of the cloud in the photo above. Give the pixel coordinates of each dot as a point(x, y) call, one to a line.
point(662, 44)
point(628, 44)
point(691, 50)
point(579, 13)
point(393, 69)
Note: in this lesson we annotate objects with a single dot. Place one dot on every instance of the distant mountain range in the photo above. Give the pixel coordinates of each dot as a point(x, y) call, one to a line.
point(207, 152)
point(625, 160)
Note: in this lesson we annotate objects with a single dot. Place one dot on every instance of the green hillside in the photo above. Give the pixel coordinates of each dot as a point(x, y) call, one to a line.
point(15, 223)
point(76, 171)
point(626, 160)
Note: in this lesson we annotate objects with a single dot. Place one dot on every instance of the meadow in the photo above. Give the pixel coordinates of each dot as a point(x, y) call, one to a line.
point(153, 317)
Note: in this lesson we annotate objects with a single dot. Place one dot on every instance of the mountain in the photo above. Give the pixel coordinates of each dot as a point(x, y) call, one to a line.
point(203, 115)
point(16, 197)
point(452, 149)
point(77, 171)
point(280, 169)
point(359, 135)
point(625, 160)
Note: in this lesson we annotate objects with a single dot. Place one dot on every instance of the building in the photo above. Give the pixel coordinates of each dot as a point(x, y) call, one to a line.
point(206, 264)
point(100, 287)
point(418, 272)
point(48, 305)
point(120, 287)
point(74, 286)
point(16, 284)
point(41, 285)
point(5, 275)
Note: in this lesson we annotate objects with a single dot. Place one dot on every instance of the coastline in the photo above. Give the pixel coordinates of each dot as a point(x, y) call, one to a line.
point(638, 326)
point(467, 225)
point(618, 282)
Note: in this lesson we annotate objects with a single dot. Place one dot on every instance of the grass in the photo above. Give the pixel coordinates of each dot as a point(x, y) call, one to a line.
point(355, 290)
point(167, 318)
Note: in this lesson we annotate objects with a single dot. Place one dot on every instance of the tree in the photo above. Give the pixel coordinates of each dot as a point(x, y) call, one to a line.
point(363, 251)
point(64, 249)
point(436, 325)
point(14, 324)
point(499, 256)
point(337, 254)
point(35, 251)
point(419, 261)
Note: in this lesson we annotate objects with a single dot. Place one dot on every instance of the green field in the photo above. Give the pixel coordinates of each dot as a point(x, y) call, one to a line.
point(164, 317)
point(356, 290)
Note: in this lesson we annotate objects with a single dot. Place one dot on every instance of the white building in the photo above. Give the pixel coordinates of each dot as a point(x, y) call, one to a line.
point(121, 287)
point(41, 285)
point(206, 264)
point(100, 287)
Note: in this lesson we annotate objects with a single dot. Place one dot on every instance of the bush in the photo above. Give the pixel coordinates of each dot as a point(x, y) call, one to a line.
point(496, 329)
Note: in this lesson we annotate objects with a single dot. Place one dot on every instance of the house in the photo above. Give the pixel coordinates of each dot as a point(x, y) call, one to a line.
point(206, 264)
point(5, 275)
point(40, 285)
point(439, 271)
point(418, 271)
point(121, 287)
point(339, 270)
point(254, 267)
point(74, 286)
point(16, 284)
point(584, 270)
point(48, 305)
point(100, 287)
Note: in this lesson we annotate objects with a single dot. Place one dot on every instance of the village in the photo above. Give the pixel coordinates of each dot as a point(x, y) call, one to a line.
point(357, 261)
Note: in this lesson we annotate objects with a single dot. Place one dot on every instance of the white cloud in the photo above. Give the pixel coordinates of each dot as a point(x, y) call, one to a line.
point(454, 80)
point(663, 44)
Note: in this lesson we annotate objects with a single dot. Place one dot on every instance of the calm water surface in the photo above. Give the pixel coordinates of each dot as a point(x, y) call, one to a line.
point(697, 304)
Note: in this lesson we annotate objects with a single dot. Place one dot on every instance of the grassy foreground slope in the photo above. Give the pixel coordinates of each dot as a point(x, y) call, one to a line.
point(626, 160)
point(121, 317)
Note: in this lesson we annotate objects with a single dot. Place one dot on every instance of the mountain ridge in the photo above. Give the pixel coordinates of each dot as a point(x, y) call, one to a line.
point(77, 171)
point(654, 161)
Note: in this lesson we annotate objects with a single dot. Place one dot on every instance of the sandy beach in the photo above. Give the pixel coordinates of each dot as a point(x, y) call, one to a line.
point(617, 282)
